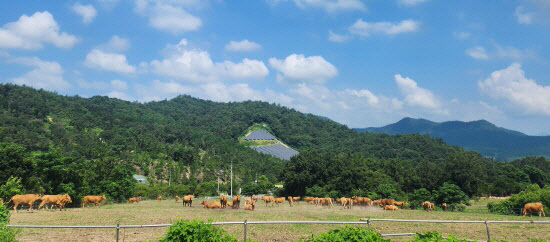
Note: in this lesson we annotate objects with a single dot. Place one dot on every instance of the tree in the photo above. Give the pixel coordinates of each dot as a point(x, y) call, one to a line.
point(451, 194)
point(12, 187)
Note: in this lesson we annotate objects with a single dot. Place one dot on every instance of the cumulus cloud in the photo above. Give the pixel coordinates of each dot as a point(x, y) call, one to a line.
point(410, 2)
point(365, 29)
point(243, 45)
point(522, 16)
point(477, 52)
point(370, 98)
point(119, 85)
point(301, 68)
point(197, 66)
point(115, 44)
point(97, 85)
point(120, 95)
point(168, 16)
point(87, 12)
point(332, 5)
point(108, 61)
point(46, 74)
point(31, 32)
point(511, 85)
point(415, 95)
point(334, 37)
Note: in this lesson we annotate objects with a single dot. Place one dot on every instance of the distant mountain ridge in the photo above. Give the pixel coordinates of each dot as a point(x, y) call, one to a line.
point(481, 135)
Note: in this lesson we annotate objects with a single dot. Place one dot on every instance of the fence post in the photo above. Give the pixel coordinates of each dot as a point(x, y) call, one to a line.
point(488, 233)
point(245, 230)
point(368, 222)
point(117, 231)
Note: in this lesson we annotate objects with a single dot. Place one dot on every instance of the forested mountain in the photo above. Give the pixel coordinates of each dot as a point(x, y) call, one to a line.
point(481, 136)
point(57, 144)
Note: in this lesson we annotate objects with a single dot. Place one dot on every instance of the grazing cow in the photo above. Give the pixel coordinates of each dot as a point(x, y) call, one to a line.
point(159, 198)
point(255, 198)
point(247, 200)
point(290, 200)
point(279, 200)
point(24, 199)
point(223, 201)
point(251, 206)
point(384, 202)
point(214, 204)
point(58, 200)
point(236, 202)
point(93, 199)
point(132, 200)
point(295, 199)
point(139, 198)
point(346, 202)
point(309, 200)
point(326, 201)
point(177, 198)
point(533, 207)
point(377, 202)
point(399, 204)
point(428, 206)
point(267, 200)
point(444, 206)
point(390, 207)
point(188, 200)
point(229, 204)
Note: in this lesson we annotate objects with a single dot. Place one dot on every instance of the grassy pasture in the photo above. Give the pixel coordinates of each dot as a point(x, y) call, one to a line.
point(153, 212)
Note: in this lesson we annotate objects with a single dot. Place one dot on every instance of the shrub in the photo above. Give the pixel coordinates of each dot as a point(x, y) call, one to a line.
point(348, 234)
point(514, 205)
point(183, 230)
point(434, 236)
point(6, 234)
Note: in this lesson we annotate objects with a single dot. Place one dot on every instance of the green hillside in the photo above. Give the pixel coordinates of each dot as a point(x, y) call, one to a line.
point(481, 136)
point(57, 144)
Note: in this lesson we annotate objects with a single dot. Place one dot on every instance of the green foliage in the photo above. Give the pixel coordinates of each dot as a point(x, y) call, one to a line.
point(419, 196)
point(6, 234)
point(450, 194)
point(348, 233)
point(434, 236)
point(10, 188)
point(184, 230)
point(386, 191)
point(516, 202)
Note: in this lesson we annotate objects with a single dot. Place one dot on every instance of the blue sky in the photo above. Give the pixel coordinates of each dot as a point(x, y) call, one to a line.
point(360, 63)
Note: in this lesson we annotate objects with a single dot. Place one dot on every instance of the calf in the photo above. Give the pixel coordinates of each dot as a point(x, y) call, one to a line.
point(251, 206)
point(93, 199)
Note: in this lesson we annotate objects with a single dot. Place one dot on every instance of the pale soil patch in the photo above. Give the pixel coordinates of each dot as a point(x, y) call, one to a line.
point(153, 212)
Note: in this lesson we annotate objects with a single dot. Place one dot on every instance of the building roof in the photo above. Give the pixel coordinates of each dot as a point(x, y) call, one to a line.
point(278, 150)
point(260, 135)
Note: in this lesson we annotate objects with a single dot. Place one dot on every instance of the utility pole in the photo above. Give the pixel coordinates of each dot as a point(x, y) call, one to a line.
point(170, 179)
point(231, 178)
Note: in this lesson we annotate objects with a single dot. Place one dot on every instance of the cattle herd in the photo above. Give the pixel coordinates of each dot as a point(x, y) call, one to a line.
point(249, 202)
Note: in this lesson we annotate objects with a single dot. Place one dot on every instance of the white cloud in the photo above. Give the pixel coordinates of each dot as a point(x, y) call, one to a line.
point(243, 45)
point(511, 85)
point(477, 52)
point(30, 32)
point(461, 35)
point(197, 66)
point(371, 99)
point(410, 2)
point(46, 74)
point(115, 44)
point(332, 5)
point(87, 12)
point(300, 68)
point(334, 37)
point(108, 61)
point(97, 85)
point(120, 95)
point(366, 29)
point(522, 16)
point(415, 95)
point(168, 16)
point(119, 85)
point(511, 52)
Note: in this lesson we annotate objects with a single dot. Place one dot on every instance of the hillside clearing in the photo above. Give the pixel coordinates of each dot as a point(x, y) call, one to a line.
point(153, 212)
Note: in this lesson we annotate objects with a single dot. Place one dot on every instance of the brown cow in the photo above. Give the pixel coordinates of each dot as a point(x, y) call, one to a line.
point(384, 202)
point(214, 204)
point(346, 202)
point(159, 198)
point(533, 207)
point(58, 200)
point(236, 202)
point(188, 200)
point(326, 201)
point(278, 200)
point(223, 201)
point(295, 199)
point(250, 206)
point(290, 200)
point(399, 204)
point(428, 206)
point(139, 198)
point(177, 198)
point(268, 199)
point(132, 200)
point(247, 200)
point(229, 204)
point(444, 206)
point(255, 198)
point(93, 199)
point(390, 207)
point(24, 199)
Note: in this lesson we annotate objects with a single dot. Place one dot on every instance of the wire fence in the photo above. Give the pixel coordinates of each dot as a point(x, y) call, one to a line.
point(246, 223)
